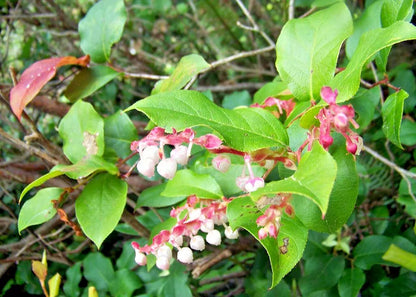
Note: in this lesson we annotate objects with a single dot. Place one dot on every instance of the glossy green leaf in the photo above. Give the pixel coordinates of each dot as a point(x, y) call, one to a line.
point(82, 130)
point(188, 67)
point(242, 212)
point(348, 81)
point(89, 80)
point(187, 183)
point(124, 283)
point(312, 181)
point(73, 277)
point(316, 40)
point(399, 256)
point(176, 284)
point(100, 205)
point(369, 251)
point(39, 208)
point(321, 272)
point(119, 132)
point(342, 199)
point(272, 89)
point(152, 197)
point(98, 270)
point(351, 282)
point(245, 129)
point(101, 28)
point(392, 112)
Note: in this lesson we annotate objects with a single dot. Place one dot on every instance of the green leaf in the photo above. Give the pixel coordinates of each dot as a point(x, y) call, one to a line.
point(321, 272)
point(242, 212)
point(309, 180)
point(244, 129)
point(89, 80)
point(370, 250)
point(351, 282)
point(408, 132)
point(364, 104)
point(399, 256)
point(39, 182)
point(348, 81)
point(392, 11)
point(38, 209)
point(188, 67)
point(236, 99)
point(316, 40)
point(82, 131)
point(176, 284)
point(73, 277)
point(187, 183)
point(271, 89)
point(124, 283)
point(100, 205)
point(369, 20)
point(81, 169)
point(392, 112)
point(54, 282)
point(342, 199)
point(101, 28)
point(119, 132)
point(152, 197)
point(98, 270)
point(85, 167)
point(404, 285)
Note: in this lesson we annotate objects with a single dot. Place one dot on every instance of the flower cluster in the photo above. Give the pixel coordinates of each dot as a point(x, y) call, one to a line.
point(337, 117)
point(151, 150)
point(196, 215)
point(270, 220)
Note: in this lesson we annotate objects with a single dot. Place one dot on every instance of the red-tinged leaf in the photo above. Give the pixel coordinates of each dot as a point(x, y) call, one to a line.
point(35, 77)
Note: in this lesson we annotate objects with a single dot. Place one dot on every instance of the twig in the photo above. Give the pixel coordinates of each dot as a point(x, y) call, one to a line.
point(405, 174)
point(130, 219)
point(29, 16)
point(254, 27)
point(145, 76)
point(291, 10)
point(231, 87)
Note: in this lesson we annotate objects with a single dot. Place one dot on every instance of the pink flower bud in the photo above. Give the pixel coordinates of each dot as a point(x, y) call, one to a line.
point(221, 163)
point(180, 154)
point(164, 251)
point(328, 95)
point(140, 258)
point(351, 147)
point(207, 226)
point(185, 255)
point(214, 237)
point(262, 233)
point(254, 184)
point(162, 263)
point(146, 167)
point(197, 243)
point(326, 140)
point(194, 214)
point(230, 234)
point(167, 168)
point(150, 152)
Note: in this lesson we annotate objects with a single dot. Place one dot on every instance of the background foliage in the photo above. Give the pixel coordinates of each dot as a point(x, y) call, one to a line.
point(373, 253)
